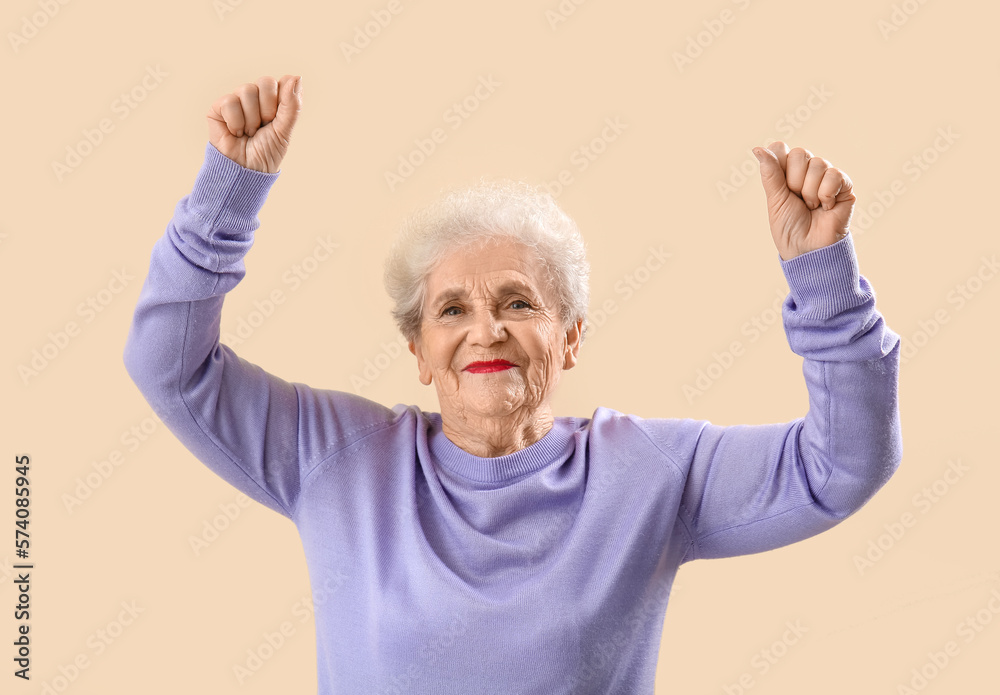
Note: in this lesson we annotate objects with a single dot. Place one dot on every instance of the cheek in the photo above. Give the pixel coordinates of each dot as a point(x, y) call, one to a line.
point(443, 349)
point(544, 346)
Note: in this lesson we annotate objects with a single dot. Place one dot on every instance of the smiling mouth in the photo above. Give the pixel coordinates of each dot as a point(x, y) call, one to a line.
point(486, 367)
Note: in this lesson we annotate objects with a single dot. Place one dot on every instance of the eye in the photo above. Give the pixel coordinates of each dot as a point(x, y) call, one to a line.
point(447, 311)
point(513, 305)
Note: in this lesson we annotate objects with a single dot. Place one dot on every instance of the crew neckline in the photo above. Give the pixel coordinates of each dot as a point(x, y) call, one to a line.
point(500, 469)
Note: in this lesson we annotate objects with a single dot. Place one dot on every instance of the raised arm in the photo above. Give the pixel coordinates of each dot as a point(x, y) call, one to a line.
point(253, 429)
point(752, 488)
point(237, 419)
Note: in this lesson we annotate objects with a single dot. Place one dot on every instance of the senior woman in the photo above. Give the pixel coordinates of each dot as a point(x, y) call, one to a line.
point(495, 547)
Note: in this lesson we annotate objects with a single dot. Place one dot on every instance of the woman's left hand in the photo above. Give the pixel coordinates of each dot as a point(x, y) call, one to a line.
point(809, 201)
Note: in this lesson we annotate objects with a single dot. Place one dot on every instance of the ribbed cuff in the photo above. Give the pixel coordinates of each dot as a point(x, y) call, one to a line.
point(229, 194)
point(827, 281)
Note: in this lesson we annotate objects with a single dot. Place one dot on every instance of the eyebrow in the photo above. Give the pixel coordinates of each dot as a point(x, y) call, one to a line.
point(453, 293)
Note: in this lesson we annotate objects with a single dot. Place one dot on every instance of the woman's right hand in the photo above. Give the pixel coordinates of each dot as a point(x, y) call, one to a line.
point(253, 124)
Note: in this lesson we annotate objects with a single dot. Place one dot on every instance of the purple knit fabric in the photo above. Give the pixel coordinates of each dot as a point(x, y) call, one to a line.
point(547, 570)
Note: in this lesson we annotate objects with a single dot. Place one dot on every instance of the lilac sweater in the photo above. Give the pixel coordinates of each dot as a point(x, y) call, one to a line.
point(546, 571)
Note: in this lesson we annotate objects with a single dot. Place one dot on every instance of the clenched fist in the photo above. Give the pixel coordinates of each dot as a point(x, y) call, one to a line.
point(252, 124)
point(809, 201)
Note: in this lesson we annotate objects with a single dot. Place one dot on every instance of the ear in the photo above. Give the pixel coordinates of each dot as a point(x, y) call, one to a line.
point(423, 369)
point(573, 336)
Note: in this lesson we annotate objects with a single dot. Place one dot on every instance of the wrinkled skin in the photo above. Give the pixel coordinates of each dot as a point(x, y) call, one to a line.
point(500, 309)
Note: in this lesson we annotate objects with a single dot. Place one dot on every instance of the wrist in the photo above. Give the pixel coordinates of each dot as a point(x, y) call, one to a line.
point(229, 194)
point(826, 281)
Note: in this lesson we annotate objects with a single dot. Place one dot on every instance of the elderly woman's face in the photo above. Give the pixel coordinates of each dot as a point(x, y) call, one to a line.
point(486, 305)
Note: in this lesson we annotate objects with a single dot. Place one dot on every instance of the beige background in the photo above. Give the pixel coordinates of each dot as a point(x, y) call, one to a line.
point(886, 95)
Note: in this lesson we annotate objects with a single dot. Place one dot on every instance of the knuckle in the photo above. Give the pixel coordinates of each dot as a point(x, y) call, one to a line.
point(246, 90)
point(230, 104)
point(800, 156)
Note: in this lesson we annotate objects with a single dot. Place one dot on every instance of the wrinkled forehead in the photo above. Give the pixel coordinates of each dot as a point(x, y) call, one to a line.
point(486, 271)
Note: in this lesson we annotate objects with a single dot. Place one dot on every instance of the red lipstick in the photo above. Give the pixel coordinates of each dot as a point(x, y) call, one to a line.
point(491, 366)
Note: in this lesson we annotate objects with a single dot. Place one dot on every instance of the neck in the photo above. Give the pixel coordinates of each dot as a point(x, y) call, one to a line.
point(489, 437)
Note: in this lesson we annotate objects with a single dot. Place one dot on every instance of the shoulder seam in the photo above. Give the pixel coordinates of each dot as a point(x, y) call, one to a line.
point(348, 440)
point(673, 456)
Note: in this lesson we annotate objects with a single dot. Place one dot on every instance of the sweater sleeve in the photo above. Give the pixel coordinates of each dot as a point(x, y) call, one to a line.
point(752, 488)
point(256, 431)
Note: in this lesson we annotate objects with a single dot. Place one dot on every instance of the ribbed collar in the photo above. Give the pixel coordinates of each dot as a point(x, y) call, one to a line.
point(555, 445)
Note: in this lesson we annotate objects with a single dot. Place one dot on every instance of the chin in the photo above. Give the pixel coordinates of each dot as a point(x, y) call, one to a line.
point(490, 407)
point(501, 410)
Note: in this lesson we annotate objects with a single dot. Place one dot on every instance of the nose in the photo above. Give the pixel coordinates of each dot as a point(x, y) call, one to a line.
point(486, 330)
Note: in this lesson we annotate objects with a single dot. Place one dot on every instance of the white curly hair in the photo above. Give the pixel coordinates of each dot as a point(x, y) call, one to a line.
point(478, 213)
